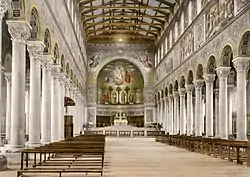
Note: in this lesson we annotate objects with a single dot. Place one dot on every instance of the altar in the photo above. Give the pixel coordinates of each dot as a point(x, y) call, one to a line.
point(120, 119)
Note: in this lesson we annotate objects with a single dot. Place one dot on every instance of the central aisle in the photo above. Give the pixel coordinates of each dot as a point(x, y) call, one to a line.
point(143, 157)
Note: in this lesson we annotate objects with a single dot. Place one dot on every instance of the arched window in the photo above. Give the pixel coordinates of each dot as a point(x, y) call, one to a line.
point(47, 42)
point(56, 54)
point(34, 24)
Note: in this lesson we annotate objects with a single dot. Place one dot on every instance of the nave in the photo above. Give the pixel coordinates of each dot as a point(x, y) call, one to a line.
point(143, 157)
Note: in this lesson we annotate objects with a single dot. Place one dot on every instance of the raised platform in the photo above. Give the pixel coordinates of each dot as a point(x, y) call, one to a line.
point(125, 131)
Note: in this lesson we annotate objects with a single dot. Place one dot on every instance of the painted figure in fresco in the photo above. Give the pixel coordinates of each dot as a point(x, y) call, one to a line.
point(131, 97)
point(94, 60)
point(123, 98)
point(118, 75)
point(145, 60)
point(114, 97)
point(106, 97)
point(127, 76)
point(138, 96)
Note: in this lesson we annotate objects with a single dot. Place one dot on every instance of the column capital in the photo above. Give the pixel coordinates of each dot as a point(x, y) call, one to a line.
point(4, 6)
point(19, 30)
point(182, 91)
point(176, 93)
point(7, 76)
point(35, 49)
point(170, 97)
point(241, 63)
point(55, 69)
point(209, 78)
point(223, 71)
point(216, 92)
point(189, 88)
point(198, 83)
point(63, 77)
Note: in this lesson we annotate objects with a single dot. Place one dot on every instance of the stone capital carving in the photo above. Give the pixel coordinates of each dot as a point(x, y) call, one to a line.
point(182, 91)
point(209, 78)
point(7, 77)
point(35, 49)
point(241, 63)
point(189, 88)
point(198, 83)
point(55, 69)
point(223, 72)
point(4, 6)
point(176, 94)
point(19, 30)
point(170, 97)
point(216, 92)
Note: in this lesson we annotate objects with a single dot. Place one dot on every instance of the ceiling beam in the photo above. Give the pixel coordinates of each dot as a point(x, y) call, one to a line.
point(166, 3)
point(85, 17)
point(88, 32)
point(125, 36)
point(89, 25)
point(125, 7)
point(153, 32)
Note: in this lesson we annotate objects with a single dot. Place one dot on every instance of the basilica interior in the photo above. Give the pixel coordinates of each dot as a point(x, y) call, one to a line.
point(170, 69)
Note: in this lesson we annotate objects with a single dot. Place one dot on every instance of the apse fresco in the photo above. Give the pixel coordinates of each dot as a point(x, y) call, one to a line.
point(120, 83)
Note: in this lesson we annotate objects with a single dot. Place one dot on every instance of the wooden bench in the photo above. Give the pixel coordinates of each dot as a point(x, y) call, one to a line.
point(82, 154)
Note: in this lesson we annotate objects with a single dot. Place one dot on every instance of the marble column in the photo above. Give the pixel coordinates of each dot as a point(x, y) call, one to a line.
point(27, 109)
point(230, 89)
point(209, 81)
point(198, 83)
point(162, 111)
point(216, 113)
point(166, 115)
point(55, 69)
point(35, 49)
point(190, 117)
point(222, 73)
point(20, 32)
point(171, 114)
point(190, 12)
point(182, 92)
point(4, 5)
point(176, 113)
point(158, 111)
point(241, 65)
point(8, 107)
point(46, 100)
point(63, 78)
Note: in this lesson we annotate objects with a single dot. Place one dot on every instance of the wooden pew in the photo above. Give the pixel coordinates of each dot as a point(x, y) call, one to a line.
point(82, 154)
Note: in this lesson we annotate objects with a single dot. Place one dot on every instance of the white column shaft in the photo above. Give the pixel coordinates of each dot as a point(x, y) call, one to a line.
point(34, 112)
point(230, 112)
point(182, 114)
point(18, 95)
point(8, 111)
point(189, 111)
point(241, 64)
point(223, 110)
point(27, 110)
point(54, 108)
point(217, 125)
point(46, 106)
point(171, 116)
point(198, 107)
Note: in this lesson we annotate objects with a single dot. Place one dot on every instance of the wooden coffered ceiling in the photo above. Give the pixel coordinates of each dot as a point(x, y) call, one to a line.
point(124, 20)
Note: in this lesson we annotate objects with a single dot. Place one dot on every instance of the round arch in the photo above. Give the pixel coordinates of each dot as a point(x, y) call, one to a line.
point(190, 77)
point(199, 72)
point(244, 48)
point(47, 41)
point(132, 60)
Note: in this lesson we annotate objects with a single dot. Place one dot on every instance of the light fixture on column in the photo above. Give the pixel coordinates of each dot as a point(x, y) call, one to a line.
point(120, 39)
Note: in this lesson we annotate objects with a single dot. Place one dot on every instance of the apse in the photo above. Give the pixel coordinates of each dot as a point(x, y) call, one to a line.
point(120, 82)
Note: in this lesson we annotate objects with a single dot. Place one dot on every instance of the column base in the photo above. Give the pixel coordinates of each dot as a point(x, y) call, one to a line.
point(33, 145)
point(241, 139)
point(45, 142)
point(11, 149)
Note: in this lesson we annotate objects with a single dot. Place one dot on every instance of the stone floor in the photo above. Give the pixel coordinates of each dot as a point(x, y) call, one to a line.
point(142, 157)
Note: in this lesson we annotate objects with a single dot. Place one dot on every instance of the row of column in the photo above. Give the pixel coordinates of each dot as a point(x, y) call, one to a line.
point(45, 114)
point(177, 116)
